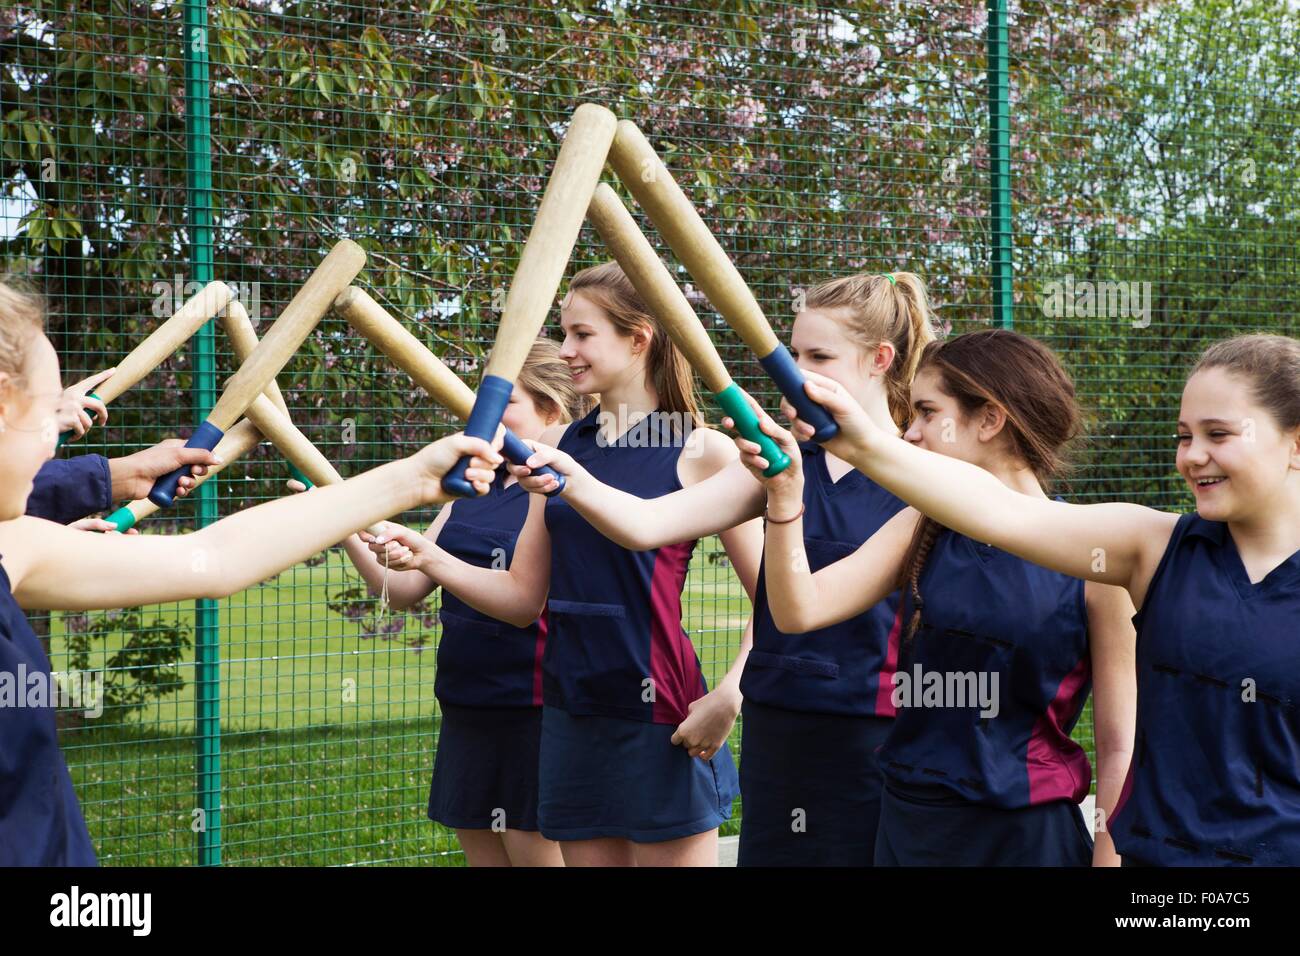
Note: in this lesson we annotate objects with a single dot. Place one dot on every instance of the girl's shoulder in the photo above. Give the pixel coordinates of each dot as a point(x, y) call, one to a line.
point(705, 452)
point(17, 538)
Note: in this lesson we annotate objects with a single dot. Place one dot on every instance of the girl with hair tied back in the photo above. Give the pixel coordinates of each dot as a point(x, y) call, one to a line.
point(996, 654)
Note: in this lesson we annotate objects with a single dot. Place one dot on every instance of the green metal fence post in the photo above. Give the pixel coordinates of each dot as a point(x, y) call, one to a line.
point(207, 689)
point(999, 162)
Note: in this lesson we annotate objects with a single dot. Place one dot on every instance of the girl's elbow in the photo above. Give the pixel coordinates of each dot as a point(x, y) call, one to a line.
point(1114, 751)
point(789, 620)
point(522, 619)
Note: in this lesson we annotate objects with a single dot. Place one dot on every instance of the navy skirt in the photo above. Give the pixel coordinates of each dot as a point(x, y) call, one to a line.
point(810, 787)
point(609, 777)
point(921, 828)
point(485, 769)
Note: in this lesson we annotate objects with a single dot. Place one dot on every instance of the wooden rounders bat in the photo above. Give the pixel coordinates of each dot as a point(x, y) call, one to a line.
point(234, 444)
point(537, 278)
point(288, 332)
point(413, 357)
point(162, 342)
point(243, 339)
point(656, 286)
point(648, 179)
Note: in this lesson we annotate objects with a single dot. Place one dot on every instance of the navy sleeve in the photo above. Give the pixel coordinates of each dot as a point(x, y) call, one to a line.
point(68, 489)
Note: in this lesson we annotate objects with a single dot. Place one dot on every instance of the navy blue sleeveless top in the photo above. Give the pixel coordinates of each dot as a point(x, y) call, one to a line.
point(616, 645)
point(40, 819)
point(483, 662)
point(846, 668)
point(992, 682)
point(1215, 775)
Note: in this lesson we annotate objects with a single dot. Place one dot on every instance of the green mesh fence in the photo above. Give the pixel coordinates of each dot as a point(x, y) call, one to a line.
point(1147, 206)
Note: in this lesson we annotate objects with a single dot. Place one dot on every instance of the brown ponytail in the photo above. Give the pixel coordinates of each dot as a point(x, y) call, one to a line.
point(1022, 377)
point(670, 374)
point(878, 310)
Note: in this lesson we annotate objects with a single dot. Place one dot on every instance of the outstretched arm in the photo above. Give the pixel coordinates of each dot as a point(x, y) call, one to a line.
point(727, 498)
point(516, 595)
point(57, 568)
point(801, 601)
point(1113, 543)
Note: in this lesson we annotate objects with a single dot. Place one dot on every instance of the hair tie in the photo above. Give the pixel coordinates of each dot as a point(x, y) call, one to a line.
point(890, 277)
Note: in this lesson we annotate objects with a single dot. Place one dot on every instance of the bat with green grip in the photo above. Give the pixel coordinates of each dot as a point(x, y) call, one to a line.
point(655, 284)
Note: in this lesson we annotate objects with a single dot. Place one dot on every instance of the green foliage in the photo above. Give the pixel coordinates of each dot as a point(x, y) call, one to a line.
point(141, 670)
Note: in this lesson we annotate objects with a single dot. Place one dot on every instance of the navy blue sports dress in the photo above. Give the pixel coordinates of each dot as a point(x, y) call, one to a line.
point(619, 670)
point(979, 768)
point(40, 819)
point(818, 705)
point(489, 683)
point(1215, 775)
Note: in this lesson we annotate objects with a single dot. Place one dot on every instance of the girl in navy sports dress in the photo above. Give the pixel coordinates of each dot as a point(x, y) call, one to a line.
point(46, 566)
point(619, 672)
point(817, 706)
point(488, 683)
point(1215, 779)
point(997, 653)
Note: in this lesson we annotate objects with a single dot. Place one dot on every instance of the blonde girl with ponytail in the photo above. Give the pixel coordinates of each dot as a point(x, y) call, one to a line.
point(814, 711)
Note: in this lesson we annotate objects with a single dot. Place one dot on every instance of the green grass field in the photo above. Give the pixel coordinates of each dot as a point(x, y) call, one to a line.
point(327, 737)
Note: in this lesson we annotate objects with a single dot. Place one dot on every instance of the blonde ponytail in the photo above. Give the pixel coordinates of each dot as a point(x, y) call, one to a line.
point(890, 307)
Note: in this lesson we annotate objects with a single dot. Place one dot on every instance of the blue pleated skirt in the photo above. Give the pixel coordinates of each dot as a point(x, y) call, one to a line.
point(610, 777)
point(485, 769)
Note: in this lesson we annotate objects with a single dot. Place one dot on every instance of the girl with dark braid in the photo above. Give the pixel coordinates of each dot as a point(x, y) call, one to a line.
point(998, 654)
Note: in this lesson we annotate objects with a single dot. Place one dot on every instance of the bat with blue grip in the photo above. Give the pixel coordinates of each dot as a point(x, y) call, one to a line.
point(282, 340)
point(162, 342)
point(424, 368)
point(653, 187)
point(537, 278)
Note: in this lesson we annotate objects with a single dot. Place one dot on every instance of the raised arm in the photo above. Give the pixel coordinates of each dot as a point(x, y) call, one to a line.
point(1113, 543)
point(56, 568)
point(799, 600)
point(1112, 642)
point(708, 453)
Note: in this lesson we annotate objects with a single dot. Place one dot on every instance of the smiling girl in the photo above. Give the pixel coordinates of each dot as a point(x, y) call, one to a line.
point(619, 672)
point(816, 706)
point(1214, 779)
point(997, 653)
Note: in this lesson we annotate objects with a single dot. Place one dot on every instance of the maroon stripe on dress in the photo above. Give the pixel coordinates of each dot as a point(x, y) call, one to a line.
point(1058, 768)
point(538, 653)
point(885, 686)
point(674, 668)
